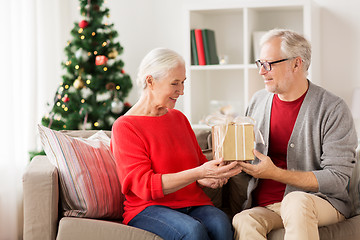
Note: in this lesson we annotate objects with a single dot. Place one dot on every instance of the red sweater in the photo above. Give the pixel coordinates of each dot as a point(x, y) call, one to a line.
point(145, 148)
point(282, 121)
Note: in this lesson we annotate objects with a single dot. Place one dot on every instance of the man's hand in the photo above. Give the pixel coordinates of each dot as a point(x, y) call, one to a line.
point(266, 169)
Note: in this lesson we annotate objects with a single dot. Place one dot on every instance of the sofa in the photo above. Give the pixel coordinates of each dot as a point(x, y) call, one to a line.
point(43, 219)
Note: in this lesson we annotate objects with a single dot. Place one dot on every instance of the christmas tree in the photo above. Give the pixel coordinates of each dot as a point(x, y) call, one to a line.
point(93, 88)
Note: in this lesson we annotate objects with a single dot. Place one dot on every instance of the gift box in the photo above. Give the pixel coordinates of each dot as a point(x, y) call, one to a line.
point(233, 141)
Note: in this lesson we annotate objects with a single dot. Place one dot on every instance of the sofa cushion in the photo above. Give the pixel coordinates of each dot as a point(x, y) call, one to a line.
point(90, 229)
point(237, 192)
point(202, 138)
point(89, 185)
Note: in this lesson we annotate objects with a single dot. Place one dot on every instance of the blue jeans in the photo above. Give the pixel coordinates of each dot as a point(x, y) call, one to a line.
point(190, 223)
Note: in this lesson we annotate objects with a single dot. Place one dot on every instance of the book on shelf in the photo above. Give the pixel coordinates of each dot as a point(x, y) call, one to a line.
point(194, 55)
point(203, 47)
point(211, 56)
point(200, 46)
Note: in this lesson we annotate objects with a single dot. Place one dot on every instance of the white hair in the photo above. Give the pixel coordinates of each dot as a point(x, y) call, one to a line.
point(292, 45)
point(157, 63)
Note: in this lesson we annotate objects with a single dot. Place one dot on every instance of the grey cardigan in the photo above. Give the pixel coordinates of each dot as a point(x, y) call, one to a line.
point(323, 141)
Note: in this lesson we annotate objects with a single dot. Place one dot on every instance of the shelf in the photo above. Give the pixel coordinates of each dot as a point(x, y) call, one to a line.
point(234, 25)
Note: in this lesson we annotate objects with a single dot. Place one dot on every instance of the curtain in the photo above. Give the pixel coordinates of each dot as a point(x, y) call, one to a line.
point(31, 43)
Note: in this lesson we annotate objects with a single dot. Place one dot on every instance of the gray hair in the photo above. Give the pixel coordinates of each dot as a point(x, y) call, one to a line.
point(157, 63)
point(292, 45)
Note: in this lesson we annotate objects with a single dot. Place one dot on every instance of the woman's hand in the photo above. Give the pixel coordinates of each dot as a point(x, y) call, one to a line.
point(214, 169)
point(213, 182)
point(219, 169)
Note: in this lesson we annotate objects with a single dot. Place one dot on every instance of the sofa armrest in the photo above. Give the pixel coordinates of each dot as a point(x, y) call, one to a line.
point(41, 199)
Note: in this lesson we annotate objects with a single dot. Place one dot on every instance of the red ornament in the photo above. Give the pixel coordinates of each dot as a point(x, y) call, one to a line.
point(101, 60)
point(83, 23)
point(122, 71)
point(65, 99)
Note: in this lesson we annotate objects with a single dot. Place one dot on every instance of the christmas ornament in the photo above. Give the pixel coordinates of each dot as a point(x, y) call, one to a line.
point(88, 77)
point(110, 62)
point(71, 89)
point(110, 120)
point(78, 83)
point(110, 86)
point(81, 54)
point(83, 24)
point(101, 60)
point(117, 106)
point(101, 97)
point(113, 54)
point(57, 117)
point(127, 104)
point(86, 92)
point(65, 99)
point(78, 53)
point(86, 126)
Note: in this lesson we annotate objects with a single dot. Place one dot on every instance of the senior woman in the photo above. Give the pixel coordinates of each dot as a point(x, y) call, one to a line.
point(160, 164)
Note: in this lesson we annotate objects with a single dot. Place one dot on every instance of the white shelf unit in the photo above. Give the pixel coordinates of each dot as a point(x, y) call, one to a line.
point(234, 25)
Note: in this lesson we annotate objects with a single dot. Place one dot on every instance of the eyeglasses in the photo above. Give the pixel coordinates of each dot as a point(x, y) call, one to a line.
point(267, 65)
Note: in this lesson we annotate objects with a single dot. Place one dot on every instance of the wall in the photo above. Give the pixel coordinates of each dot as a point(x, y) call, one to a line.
point(157, 23)
point(143, 25)
point(340, 52)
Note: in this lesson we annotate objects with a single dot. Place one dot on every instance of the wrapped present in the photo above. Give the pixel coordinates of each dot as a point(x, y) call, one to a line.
point(232, 139)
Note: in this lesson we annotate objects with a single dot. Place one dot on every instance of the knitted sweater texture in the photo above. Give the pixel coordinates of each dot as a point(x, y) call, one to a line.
point(146, 147)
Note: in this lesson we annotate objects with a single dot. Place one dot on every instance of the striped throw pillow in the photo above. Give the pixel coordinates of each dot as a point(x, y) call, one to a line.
point(89, 185)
